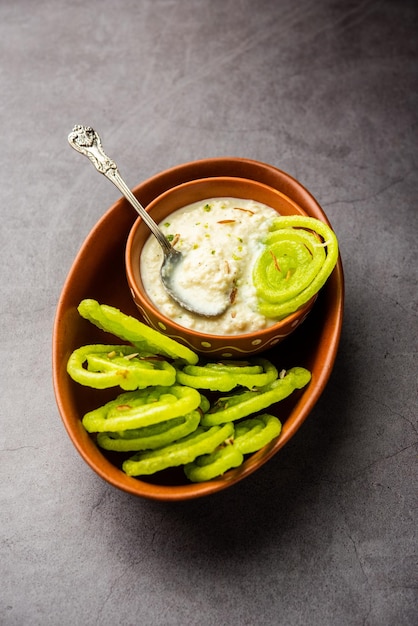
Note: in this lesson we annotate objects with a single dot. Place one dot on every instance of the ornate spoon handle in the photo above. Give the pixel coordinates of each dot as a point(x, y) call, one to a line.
point(85, 140)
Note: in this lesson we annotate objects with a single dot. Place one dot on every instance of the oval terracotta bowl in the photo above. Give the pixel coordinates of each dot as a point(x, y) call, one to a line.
point(211, 345)
point(98, 272)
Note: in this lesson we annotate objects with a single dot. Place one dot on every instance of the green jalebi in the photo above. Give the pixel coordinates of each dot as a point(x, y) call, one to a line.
point(234, 407)
point(209, 466)
point(145, 339)
point(162, 416)
point(254, 433)
point(225, 376)
point(140, 408)
point(114, 365)
point(202, 441)
point(150, 437)
point(299, 256)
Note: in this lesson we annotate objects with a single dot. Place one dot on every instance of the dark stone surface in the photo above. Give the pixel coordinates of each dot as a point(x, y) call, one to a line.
point(325, 533)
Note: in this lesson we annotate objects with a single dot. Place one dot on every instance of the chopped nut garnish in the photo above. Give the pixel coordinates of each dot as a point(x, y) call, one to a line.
point(123, 407)
point(175, 240)
point(237, 208)
point(131, 356)
point(225, 222)
point(233, 295)
point(111, 354)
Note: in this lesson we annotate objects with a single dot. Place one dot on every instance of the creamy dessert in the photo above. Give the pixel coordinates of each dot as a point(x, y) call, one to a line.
point(220, 239)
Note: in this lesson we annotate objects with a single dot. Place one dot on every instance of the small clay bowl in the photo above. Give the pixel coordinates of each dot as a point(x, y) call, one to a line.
point(98, 272)
point(210, 345)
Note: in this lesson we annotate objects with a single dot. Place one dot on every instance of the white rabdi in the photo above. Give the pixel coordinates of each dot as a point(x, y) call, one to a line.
point(220, 239)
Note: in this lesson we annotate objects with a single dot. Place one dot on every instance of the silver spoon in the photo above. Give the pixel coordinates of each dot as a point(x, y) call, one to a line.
point(85, 140)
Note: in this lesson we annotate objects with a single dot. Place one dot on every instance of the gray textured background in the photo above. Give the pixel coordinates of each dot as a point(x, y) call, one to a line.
point(325, 533)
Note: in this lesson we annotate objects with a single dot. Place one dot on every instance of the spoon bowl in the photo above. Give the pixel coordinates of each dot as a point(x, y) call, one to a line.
point(191, 298)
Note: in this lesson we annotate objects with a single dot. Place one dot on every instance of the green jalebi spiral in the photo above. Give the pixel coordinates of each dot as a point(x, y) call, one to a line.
point(103, 366)
point(147, 340)
point(299, 255)
point(209, 466)
point(234, 407)
point(150, 437)
point(226, 376)
point(143, 407)
point(185, 450)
